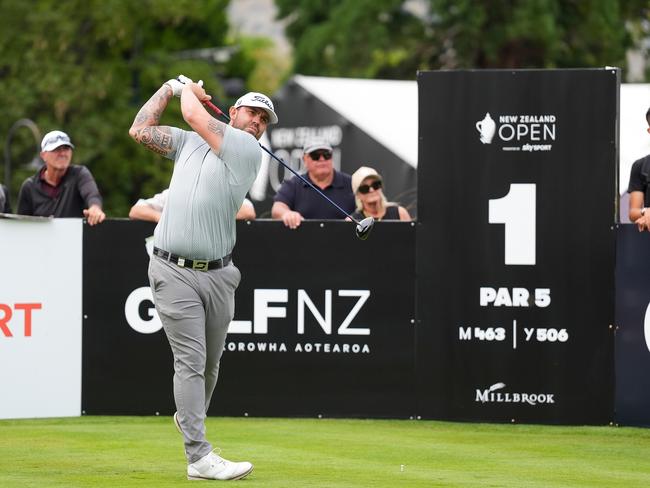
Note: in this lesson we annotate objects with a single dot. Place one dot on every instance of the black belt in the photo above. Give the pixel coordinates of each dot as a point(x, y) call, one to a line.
point(197, 264)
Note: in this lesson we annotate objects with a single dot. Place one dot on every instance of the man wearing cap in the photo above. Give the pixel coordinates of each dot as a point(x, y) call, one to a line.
point(60, 189)
point(295, 201)
point(192, 276)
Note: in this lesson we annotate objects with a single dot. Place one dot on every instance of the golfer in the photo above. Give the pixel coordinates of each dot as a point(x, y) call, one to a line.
point(192, 276)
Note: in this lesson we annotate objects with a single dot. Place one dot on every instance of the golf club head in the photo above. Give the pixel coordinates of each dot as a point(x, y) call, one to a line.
point(364, 227)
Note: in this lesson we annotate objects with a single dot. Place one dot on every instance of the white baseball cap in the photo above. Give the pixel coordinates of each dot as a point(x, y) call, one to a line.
point(315, 143)
point(54, 139)
point(254, 99)
point(361, 174)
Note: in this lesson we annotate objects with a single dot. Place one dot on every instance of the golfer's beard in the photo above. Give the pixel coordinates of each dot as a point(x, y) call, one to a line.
point(254, 127)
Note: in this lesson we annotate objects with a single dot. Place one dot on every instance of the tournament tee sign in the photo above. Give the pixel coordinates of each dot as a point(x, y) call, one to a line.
point(515, 244)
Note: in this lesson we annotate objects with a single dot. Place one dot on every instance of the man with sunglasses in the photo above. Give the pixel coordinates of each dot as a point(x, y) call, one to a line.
point(295, 201)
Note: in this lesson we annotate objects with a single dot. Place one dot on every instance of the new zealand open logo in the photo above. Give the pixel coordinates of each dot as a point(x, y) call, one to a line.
point(486, 127)
point(518, 132)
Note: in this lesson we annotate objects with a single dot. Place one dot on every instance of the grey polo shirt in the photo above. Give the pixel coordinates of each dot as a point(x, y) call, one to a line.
point(206, 190)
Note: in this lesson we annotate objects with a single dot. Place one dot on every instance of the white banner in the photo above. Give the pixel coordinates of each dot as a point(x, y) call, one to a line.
point(40, 317)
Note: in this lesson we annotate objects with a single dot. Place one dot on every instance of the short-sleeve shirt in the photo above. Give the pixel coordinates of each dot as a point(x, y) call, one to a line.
point(206, 190)
point(299, 197)
point(639, 181)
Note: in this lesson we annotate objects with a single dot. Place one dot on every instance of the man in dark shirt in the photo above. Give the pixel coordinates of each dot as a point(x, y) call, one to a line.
point(296, 201)
point(638, 189)
point(60, 189)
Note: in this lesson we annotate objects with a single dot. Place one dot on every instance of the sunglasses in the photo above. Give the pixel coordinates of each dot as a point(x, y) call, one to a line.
point(315, 155)
point(375, 185)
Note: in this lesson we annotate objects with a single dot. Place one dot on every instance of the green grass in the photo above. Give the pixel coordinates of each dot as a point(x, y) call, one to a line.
point(147, 452)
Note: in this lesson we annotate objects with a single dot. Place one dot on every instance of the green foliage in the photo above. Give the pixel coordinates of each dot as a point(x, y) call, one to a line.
point(87, 66)
point(357, 38)
point(392, 39)
point(533, 33)
point(258, 63)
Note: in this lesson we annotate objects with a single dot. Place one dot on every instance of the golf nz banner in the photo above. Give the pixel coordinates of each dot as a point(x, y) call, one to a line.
point(517, 182)
point(324, 323)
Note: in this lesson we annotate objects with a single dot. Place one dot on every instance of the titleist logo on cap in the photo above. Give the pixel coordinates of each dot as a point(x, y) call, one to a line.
point(255, 98)
point(264, 100)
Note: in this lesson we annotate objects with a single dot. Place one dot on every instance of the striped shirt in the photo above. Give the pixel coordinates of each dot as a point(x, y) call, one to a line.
point(206, 190)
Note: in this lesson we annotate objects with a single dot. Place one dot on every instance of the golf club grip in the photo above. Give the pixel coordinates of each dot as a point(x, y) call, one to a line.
point(216, 109)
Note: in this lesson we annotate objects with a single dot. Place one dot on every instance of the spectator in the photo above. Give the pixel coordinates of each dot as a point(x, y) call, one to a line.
point(638, 189)
point(367, 186)
point(296, 201)
point(151, 208)
point(60, 189)
point(5, 205)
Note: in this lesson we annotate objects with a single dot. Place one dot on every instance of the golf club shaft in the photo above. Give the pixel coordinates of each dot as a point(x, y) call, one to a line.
point(216, 109)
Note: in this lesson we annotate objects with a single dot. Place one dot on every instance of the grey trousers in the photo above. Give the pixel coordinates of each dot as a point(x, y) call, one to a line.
point(195, 308)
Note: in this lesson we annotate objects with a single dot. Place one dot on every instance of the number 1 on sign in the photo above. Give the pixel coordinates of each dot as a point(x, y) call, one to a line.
point(517, 211)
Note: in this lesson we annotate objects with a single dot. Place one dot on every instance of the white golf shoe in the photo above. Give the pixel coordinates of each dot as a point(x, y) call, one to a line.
point(214, 467)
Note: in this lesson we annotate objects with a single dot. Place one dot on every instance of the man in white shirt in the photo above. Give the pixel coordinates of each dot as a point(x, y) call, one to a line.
point(150, 209)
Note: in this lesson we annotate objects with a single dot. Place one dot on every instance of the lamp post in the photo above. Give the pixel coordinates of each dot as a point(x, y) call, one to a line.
point(37, 137)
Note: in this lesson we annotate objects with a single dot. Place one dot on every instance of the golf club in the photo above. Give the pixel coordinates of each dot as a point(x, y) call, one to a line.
point(363, 227)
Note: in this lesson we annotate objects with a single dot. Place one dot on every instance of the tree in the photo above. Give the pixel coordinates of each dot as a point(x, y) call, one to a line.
point(395, 38)
point(356, 38)
point(86, 67)
point(534, 33)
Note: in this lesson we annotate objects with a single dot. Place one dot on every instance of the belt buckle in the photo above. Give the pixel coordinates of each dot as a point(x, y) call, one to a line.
point(200, 264)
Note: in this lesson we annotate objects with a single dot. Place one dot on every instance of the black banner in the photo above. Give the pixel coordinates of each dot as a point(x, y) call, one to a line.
point(324, 323)
point(515, 248)
point(124, 371)
point(632, 326)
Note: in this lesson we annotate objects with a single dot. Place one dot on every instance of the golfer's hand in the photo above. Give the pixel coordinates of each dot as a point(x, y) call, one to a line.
point(642, 223)
point(186, 81)
point(292, 219)
point(199, 92)
point(94, 215)
point(177, 84)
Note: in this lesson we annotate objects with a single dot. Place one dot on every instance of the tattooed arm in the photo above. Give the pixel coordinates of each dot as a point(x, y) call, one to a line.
point(209, 128)
point(145, 128)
